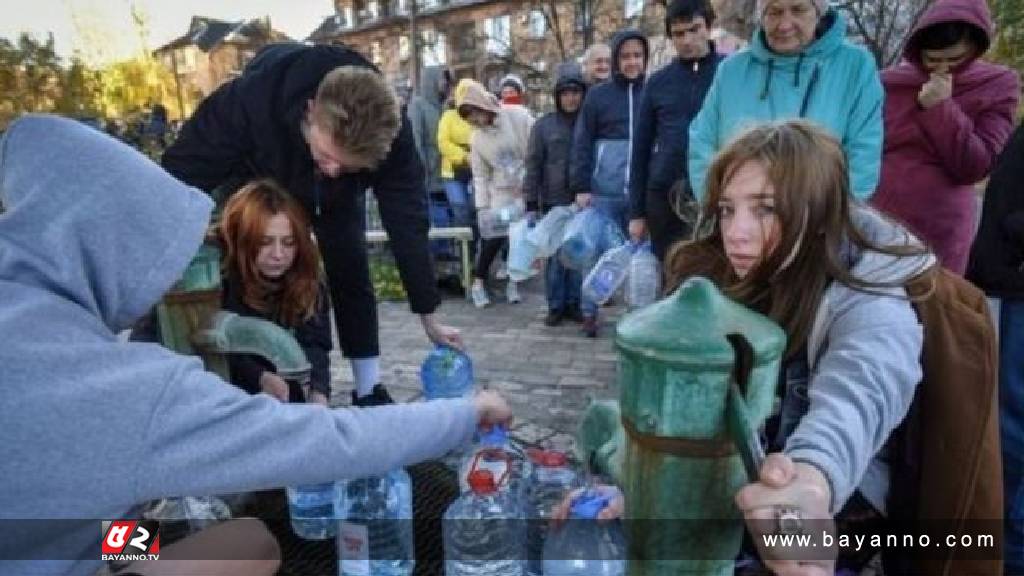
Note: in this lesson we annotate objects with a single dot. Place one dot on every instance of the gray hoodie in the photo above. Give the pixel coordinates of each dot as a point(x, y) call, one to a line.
point(93, 234)
point(424, 114)
point(864, 354)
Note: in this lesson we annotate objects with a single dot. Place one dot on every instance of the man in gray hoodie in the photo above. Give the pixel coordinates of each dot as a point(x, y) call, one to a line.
point(91, 235)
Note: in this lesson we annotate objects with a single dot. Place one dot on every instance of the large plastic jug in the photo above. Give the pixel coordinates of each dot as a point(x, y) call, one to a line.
point(375, 535)
point(522, 252)
point(549, 232)
point(553, 477)
point(608, 274)
point(484, 531)
point(583, 546)
point(643, 283)
point(446, 373)
point(311, 507)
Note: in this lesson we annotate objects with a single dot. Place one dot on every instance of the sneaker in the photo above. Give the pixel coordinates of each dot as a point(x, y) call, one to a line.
point(590, 327)
point(512, 293)
point(378, 397)
point(572, 312)
point(479, 296)
point(554, 318)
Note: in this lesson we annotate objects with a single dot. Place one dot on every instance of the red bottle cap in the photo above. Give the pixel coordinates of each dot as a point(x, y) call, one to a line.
point(482, 482)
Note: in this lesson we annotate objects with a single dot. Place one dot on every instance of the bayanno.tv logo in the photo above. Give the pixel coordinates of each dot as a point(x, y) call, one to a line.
point(130, 540)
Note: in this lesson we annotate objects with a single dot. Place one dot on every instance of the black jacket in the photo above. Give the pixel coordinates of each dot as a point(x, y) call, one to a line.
point(672, 98)
point(250, 127)
point(997, 257)
point(547, 157)
point(313, 335)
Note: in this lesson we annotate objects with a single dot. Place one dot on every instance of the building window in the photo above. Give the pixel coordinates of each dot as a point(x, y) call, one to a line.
point(427, 4)
point(376, 53)
point(433, 52)
point(634, 8)
point(499, 35)
point(582, 15)
point(185, 59)
point(538, 24)
point(403, 48)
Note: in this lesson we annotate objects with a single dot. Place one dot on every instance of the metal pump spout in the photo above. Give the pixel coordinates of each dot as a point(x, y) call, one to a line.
point(229, 333)
point(191, 322)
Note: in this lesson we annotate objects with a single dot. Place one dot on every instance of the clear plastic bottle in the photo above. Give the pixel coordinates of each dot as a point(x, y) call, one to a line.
point(311, 507)
point(496, 452)
point(551, 480)
point(644, 279)
point(583, 546)
point(446, 373)
point(484, 532)
point(521, 251)
point(549, 232)
point(608, 274)
point(374, 536)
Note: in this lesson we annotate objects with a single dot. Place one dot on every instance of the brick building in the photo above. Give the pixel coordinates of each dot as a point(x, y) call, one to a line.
point(486, 39)
point(214, 51)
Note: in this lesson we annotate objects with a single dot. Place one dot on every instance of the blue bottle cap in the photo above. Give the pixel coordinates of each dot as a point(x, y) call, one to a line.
point(496, 436)
point(588, 505)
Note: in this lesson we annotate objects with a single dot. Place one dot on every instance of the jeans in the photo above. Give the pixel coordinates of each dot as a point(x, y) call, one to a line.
point(562, 285)
point(1011, 424)
point(616, 208)
point(458, 201)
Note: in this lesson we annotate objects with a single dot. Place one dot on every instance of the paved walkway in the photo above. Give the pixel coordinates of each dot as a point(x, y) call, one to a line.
point(548, 374)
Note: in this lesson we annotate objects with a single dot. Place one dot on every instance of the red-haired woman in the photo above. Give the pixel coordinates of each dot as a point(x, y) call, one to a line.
point(271, 270)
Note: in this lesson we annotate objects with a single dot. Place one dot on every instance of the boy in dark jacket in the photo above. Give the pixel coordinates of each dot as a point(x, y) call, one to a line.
point(603, 140)
point(658, 190)
point(547, 184)
point(323, 122)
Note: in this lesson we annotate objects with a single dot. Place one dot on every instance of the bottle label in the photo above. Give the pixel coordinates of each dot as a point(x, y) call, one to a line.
point(354, 549)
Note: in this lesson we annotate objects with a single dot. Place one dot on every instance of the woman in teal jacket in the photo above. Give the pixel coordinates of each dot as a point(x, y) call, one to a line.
point(799, 64)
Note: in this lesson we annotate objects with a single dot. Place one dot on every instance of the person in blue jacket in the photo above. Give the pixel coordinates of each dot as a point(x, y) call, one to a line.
point(603, 140)
point(799, 65)
point(658, 191)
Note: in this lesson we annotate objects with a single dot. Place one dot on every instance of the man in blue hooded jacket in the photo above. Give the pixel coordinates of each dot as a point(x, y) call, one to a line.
point(603, 141)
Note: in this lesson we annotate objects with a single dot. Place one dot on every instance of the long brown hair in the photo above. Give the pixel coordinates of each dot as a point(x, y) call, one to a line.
point(807, 169)
point(291, 299)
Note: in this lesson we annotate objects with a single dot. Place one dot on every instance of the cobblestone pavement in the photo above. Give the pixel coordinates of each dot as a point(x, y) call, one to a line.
point(548, 374)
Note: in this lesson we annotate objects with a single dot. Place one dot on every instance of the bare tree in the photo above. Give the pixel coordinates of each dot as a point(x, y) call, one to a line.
point(883, 25)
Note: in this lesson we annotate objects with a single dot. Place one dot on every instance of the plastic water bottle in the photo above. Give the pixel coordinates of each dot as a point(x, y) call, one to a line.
point(373, 537)
point(311, 507)
point(644, 279)
point(583, 546)
point(521, 251)
point(484, 532)
point(549, 232)
point(551, 480)
point(608, 274)
point(507, 463)
point(446, 373)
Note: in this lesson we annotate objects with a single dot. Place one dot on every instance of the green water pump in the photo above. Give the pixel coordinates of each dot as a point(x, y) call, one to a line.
point(668, 442)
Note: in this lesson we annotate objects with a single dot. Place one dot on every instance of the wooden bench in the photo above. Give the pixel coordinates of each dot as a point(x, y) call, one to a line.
point(461, 234)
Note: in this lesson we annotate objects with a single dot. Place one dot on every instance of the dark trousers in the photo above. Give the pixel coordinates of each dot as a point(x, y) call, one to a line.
point(489, 249)
point(663, 224)
point(341, 236)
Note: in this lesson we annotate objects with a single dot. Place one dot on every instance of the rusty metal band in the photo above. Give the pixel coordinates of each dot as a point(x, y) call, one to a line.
point(683, 447)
